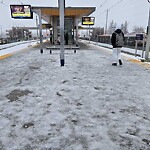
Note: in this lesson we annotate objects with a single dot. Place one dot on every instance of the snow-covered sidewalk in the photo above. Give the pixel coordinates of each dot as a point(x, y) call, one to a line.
point(85, 105)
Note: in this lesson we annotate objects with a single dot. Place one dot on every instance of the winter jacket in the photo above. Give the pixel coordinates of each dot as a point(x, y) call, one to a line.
point(113, 37)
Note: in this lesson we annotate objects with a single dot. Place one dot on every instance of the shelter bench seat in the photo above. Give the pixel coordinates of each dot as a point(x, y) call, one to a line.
point(74, 48)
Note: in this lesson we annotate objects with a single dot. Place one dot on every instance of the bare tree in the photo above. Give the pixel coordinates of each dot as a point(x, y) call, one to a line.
point(124, 27)
point(97, 31)
point(112, 27)
point(138, 29)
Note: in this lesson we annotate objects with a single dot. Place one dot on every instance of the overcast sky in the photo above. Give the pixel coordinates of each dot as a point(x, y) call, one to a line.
point(133, 11)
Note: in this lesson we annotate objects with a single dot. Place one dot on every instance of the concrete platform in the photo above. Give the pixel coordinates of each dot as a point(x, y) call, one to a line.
point(88, 104)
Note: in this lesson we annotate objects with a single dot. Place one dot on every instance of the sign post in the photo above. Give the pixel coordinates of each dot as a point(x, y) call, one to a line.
point(61, 4)
point(88, 21)
point(89, 34)
point(139, 38)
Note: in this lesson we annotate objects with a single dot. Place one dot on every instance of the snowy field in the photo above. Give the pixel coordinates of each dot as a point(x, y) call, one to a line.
point(85, 105)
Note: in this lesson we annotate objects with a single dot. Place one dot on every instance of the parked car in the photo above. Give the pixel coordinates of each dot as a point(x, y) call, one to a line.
point(3, 41)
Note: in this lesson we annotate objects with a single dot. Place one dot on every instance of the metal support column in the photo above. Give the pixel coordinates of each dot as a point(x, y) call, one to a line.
point(61, 4)
point(148, 40)
point(37, 29)
point(41, 37)
point(76, 32)
point(89, 34)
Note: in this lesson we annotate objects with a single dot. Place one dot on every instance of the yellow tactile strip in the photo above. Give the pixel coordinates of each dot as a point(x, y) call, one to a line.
point(5, 56)
point(13, 53)
point(144, 64)
point(19, 51)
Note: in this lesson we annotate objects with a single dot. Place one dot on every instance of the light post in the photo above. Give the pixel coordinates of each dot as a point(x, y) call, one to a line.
point(148, 38)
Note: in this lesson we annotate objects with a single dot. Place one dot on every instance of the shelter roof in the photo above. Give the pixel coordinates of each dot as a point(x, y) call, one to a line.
point(69, 11)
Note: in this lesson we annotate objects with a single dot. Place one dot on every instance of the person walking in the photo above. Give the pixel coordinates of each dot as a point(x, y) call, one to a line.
point(58, 39)
point(117, 41)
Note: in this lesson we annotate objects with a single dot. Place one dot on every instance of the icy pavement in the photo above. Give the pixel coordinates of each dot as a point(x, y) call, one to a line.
point(85, 105)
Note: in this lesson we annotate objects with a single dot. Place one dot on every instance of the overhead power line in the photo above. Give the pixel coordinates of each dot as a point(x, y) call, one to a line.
point(20, 1)
point(102, 4)
point(2, 2)
point(115, 4)
point(108, 9)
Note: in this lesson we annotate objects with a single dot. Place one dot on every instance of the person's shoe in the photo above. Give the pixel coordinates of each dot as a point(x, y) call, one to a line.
point(114, 64)
point(120, 62)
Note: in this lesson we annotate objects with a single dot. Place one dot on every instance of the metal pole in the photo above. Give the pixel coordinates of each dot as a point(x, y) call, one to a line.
point(136, 43)
point(13, 34)
point(97, 38)
point(143, 46)
point(41, 38)
point(1, 31)
point(148, 40)
point(61, 4)
point(22, 34)
point(73, 33)
point(77, 32)
point(89, 33)
point(37, 29)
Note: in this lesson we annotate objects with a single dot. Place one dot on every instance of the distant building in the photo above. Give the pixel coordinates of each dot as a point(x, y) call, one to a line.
point(18, 34)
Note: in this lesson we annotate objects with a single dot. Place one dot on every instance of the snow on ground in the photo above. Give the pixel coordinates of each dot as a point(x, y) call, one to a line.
point(15, 47)
point(85, 105)
point(138, 53)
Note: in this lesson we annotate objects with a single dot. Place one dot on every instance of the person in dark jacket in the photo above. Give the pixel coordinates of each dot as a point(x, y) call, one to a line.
point(66, 38)
point(51, 37)
point(117, 41)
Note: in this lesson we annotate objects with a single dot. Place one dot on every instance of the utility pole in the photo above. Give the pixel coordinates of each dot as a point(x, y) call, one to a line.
point(106, 21)
point(148, 39)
